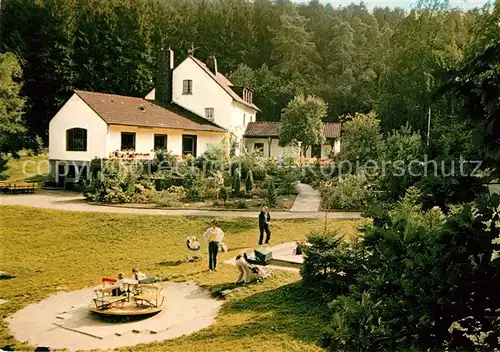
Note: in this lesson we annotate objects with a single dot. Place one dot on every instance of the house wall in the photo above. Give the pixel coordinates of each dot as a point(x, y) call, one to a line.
point(240, 117)
point(144, 139)
point(291, 151)
point(206, 93)
point(276, 150)
point(336, 146)
point(76, 113)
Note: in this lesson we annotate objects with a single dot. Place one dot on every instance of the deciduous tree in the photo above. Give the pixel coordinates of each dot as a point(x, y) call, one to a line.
point(301, 121)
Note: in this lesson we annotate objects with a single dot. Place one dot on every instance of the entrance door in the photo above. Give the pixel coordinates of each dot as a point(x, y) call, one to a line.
point(189, 144)
point(316, 151)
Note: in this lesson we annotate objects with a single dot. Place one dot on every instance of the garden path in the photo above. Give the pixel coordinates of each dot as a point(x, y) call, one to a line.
point(308, 199)
point(68, 201)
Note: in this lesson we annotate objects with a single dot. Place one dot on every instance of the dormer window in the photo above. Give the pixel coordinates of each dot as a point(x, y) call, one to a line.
point(247, 95)
point(187, 86)
point(209, 113)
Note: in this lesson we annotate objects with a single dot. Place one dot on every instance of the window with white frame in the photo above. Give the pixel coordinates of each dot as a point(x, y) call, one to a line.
point(209, 113)
point(244, 119)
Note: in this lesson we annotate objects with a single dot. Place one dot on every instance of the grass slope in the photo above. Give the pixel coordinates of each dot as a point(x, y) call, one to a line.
point(27, 169)
point(51, 250)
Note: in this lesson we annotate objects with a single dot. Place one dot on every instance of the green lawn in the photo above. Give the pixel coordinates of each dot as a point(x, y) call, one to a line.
point(27, 169)
point(48, 250)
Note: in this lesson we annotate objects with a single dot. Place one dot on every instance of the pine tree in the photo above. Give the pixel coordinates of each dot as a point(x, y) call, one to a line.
point(236, 182)
point(271, 194)
point(249, 183)
point(11, 109)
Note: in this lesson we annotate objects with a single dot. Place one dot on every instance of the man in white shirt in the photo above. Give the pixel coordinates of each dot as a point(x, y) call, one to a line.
point(213, 235)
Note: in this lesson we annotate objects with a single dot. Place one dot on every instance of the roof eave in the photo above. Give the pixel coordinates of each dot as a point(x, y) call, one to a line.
point(168, 128)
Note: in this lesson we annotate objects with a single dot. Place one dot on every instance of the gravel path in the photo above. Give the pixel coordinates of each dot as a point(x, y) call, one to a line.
point(69, 201)
point(308, 199)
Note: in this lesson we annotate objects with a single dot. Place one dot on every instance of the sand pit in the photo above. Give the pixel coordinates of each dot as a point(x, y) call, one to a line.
point(63, 320)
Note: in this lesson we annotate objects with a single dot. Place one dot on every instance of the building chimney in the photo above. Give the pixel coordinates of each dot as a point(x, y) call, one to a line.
point(164, 76)
point(212, 64)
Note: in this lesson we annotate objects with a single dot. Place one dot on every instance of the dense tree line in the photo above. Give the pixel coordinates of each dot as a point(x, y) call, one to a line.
point(354, 59)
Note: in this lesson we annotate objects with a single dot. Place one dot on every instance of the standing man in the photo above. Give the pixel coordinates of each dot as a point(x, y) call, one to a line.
point(213, 236)
point(264, 219)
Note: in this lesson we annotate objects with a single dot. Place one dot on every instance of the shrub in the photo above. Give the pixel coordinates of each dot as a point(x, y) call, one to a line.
point(314, 174)
point(258, 192)
point(144, 196)
point(163, 162)
point(330, 264)
point(427, 283)
point(286, 180)
point(259, 173)
point(215, 184)
point(196, 187)
point(113, 183)
point(37, 146)
point(351, 193)
point(168, 179)
point(214, 158)
point(241, 205)
point(225, 194)
point(271, 167)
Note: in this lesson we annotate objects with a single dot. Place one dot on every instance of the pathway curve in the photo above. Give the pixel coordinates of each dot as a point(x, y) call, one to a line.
point(308, 199)
point(68, 201)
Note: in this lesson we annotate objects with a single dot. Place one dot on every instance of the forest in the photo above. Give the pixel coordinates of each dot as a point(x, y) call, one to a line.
point(387, 60)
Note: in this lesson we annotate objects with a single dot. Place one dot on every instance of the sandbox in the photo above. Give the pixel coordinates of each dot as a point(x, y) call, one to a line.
point(63, 321)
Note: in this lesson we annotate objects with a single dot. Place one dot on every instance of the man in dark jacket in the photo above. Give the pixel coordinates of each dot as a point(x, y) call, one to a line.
point(264, 219)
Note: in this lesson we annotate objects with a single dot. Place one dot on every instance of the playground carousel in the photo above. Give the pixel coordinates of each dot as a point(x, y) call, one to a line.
point(129, 298)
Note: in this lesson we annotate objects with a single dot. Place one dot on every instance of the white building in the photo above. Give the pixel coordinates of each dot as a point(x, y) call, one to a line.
point(264, 137)
point(192, 106)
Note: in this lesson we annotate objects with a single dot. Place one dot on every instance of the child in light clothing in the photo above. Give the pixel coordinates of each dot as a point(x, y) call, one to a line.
point(244, 271)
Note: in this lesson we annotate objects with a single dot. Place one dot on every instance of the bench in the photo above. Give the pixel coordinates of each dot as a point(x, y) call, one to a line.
point(148, 296)
point(105, 299)
point(17, 188)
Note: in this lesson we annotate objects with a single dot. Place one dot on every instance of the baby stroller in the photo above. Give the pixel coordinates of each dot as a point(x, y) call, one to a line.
point(259, 273)
point(193, 245)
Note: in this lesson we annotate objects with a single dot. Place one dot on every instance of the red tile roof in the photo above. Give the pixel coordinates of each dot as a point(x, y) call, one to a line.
point(272, 129)
point(131, 111)
point(224, 83)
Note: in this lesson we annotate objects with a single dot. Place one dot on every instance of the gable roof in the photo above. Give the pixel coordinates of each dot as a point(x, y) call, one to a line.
point(272, 129)
point(224, 83)
point(131, 111)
